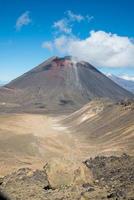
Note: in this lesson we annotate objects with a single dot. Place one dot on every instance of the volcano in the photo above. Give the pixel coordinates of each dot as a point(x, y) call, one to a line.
point(61, 84)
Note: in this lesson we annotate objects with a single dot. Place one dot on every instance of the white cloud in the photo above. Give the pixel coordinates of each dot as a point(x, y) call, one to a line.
point(23, 20)
point(48, 45)
point(99, 48)
point(75, 17)
point(62, 43)
point(63, 26)
point(78, 17)
point(127, 77)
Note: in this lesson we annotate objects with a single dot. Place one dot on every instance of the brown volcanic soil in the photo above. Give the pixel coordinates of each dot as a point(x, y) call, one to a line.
point(29, 140)
point(108, 127)
point(61, 144)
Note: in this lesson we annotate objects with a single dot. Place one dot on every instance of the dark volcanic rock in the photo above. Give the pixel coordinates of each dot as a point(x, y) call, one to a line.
point(114, 173)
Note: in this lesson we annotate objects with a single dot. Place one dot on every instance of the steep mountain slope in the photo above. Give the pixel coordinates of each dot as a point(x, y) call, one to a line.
point(107, 127)
point(62, 84)
point(128, 85)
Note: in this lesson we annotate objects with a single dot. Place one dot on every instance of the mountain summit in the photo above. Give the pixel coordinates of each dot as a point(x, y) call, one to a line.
point(63, 84)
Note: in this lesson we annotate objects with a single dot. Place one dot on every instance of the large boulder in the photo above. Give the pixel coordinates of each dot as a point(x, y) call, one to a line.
point(61, 172)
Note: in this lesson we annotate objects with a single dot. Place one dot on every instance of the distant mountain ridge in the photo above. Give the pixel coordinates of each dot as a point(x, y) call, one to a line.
point(127, 84)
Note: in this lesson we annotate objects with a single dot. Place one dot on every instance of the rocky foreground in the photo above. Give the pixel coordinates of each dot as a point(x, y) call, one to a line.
point(96, 179)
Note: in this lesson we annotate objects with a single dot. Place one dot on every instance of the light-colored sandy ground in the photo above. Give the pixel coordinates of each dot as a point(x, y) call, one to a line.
point(29, 140)
point(32, 140)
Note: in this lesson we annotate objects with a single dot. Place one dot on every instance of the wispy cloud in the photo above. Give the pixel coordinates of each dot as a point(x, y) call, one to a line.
point(78, 17)
point(65, 24)
point(75, 17)
point(23, 20)
point(48, 45)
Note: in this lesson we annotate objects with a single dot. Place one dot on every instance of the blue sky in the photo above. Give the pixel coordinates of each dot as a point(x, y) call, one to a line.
point(100, 31)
